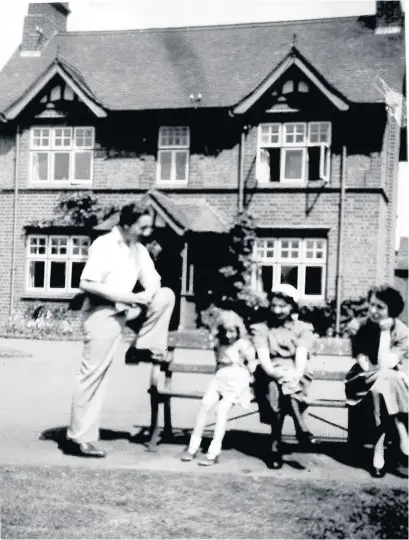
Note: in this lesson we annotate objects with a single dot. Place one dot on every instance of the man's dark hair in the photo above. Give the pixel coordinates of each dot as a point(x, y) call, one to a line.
point(131, 213)
point(392, 298)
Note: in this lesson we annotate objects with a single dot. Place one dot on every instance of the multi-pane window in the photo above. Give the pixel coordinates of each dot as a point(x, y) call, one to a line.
point(173, 154)
point(61, 154)
point(293, 152)
point(55, 263)
point(301, 262)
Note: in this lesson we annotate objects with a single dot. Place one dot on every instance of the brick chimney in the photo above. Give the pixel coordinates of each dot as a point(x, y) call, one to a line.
point(389, 18)
point(40, 24)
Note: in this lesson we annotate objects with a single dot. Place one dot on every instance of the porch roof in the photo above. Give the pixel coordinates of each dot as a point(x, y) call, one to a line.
point(195, 215)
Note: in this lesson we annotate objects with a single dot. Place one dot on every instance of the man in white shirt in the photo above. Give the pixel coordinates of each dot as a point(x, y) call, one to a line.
point(116, 262)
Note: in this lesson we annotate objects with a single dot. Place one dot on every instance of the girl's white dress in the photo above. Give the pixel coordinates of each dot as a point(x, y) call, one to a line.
point(235, 363)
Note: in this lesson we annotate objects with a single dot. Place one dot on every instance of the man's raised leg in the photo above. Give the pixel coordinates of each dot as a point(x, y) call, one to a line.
point(154, 331)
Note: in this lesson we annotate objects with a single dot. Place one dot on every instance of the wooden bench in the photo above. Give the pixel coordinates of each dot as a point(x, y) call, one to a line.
point(162, 394)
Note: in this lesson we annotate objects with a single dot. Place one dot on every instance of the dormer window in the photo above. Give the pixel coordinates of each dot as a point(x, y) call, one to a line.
point(293, 152)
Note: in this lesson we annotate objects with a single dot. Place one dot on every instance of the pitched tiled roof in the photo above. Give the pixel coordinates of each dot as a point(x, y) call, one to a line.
point(160, 68)
point(401, 260)
point(195, 215)
point(70, 74)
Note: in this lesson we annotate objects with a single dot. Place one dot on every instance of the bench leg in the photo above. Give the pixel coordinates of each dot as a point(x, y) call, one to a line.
point(154, 398)
point(167, 417)
point(167, 414)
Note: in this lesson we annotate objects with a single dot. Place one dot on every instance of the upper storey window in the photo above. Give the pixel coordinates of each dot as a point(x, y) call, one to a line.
point(173, 155)
point(293, 152)
point(61, 155)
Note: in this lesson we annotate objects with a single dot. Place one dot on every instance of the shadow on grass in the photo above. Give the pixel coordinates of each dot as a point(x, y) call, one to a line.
point(59, 435)
point(254, 445)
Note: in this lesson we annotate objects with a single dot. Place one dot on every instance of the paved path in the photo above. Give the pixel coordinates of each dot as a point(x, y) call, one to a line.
point(36, 392)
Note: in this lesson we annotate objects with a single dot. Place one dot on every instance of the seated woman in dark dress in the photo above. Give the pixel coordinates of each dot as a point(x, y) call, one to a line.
point(282, 379)
point(380, 347)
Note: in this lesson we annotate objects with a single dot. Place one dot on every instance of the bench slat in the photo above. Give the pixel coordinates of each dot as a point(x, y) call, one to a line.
point(319, 375)
point(197, 394)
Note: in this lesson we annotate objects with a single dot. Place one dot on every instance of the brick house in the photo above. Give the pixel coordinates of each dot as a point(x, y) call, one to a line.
point(401, 273)
point(283, 119)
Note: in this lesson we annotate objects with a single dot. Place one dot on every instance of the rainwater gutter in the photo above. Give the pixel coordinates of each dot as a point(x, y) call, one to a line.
point(15, 214)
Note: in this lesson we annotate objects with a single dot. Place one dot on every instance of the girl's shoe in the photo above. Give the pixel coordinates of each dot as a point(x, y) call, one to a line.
point(188, 456)
point(207, 461)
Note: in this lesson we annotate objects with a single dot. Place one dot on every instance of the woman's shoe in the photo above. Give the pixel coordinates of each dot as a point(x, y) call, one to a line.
point(275, 460)
point(378, 473)
point(208, 461)
point(188, 456)
point(306, 438)
point(378, 468)
point(402, 465)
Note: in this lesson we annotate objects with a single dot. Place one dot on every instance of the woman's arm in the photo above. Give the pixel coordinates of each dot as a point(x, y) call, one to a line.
point(263, 355)
point(301, 357)
point(385, 342)
point(395, 347)
point(363, 361)
point(259, 337)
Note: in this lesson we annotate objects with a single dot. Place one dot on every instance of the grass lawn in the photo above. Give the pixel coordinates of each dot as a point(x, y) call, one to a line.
point(40, 502)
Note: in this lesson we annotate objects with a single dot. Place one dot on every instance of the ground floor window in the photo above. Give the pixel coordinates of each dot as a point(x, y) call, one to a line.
point(301, 262)
point(55, 262)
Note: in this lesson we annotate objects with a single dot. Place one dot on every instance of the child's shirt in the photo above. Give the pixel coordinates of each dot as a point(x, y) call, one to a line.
point(241, 353)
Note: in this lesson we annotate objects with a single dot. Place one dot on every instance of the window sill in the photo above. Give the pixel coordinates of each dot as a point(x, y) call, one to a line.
point(171, 184)
point(47, 295)
point(292, 184)
point(59, 185)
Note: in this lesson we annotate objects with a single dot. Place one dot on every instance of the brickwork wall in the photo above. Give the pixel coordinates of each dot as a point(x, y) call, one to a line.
point(121, 177)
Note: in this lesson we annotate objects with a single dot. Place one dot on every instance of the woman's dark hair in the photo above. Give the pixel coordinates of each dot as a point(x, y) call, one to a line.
point(287, 299)
point(131, 213)
point(392, 298)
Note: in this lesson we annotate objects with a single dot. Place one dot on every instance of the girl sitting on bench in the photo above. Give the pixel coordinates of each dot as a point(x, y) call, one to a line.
point(235, 357)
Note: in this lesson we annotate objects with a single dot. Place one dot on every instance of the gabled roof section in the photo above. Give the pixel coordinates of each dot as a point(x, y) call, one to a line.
point(157, 69)
point(72, 78)
point(293, 58)
point(195, 215)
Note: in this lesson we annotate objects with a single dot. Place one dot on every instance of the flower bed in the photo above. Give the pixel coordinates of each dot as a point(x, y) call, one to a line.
point(61, 324)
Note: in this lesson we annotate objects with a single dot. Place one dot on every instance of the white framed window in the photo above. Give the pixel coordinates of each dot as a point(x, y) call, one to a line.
point(54, 263)
point(173, 155)
point(293, 152)
point(61, 155)
point(301, 262)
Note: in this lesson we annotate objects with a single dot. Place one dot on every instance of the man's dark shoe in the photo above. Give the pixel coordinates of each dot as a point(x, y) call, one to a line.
point(135, 356)
point(83, 450)
point(132, 356)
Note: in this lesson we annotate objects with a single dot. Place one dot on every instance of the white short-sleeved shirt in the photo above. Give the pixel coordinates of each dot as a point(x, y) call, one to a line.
point(112, 262)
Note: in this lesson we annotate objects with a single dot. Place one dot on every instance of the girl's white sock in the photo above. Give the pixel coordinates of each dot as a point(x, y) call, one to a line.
point(194, 444)
point(214, 449)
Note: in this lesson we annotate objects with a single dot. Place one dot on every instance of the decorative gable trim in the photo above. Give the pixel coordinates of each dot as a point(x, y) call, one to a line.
point(72, 79)
point(294, 58)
